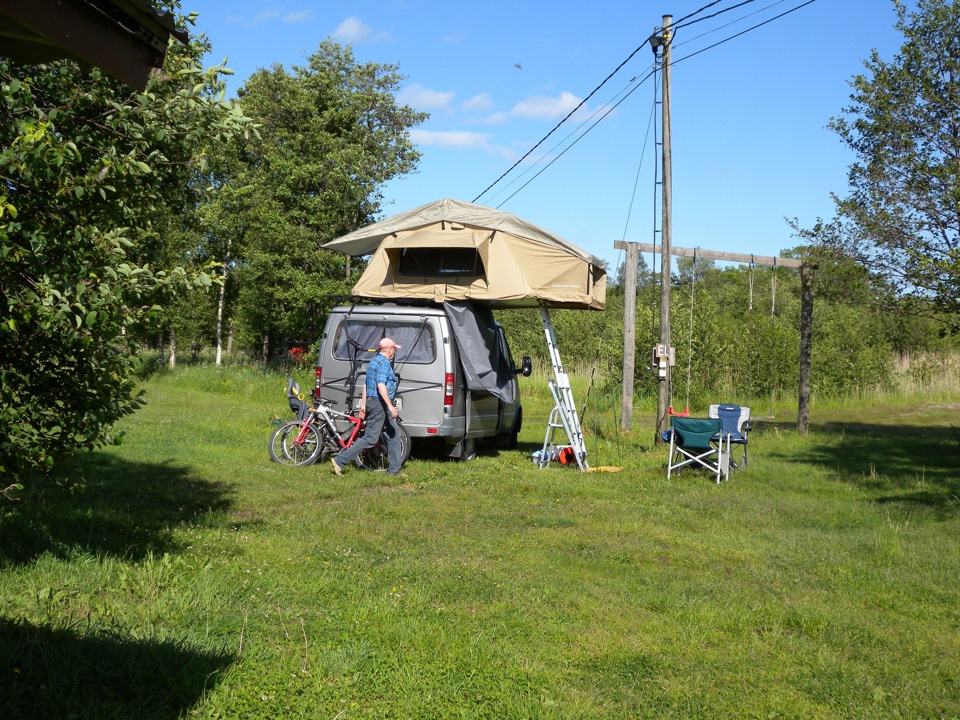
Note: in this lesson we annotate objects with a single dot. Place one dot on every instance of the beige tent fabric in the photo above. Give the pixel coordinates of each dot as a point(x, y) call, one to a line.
point(517, 264)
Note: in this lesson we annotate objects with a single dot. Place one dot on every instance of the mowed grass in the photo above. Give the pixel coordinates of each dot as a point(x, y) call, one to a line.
point(183, 574)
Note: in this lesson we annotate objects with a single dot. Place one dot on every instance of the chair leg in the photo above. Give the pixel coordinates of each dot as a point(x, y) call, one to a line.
point(670, 458)
point(724, 460)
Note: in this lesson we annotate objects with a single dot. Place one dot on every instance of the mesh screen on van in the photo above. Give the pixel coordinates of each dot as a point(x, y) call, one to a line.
point(415, 337)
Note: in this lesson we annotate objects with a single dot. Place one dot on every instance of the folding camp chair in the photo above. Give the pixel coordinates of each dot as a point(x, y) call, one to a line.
point(736, 425)
point(692, 443)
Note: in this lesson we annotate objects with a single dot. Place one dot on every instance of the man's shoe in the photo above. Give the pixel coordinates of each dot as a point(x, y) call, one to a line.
point(336, 468)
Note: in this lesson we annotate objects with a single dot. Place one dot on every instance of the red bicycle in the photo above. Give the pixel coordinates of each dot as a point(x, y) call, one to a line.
point(320, 431)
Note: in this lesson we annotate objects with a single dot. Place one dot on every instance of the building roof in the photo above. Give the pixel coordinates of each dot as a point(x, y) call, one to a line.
point(126, 38)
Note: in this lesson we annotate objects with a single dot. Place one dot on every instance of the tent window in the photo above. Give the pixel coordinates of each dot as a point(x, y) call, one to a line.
point(441, 262)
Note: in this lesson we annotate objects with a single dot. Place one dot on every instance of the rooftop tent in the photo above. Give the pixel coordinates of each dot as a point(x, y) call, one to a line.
point(450, 250)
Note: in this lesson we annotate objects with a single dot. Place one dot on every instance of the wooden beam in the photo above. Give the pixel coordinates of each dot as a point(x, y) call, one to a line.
point(715, 255)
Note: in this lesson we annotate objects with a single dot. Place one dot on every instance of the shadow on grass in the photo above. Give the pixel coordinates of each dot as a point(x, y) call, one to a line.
point(46, 673)
point(120, 508)
point(438, 450)
point(900, 463)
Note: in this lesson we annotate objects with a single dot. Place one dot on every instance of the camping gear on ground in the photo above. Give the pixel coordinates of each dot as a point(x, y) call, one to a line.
point(735, 421)
point(698, 443)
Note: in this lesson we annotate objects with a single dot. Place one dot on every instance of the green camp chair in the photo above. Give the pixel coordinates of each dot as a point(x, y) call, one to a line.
point(690, 445)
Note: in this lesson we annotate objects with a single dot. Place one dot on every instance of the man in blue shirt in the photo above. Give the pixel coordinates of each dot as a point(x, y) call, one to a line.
point(379, 410)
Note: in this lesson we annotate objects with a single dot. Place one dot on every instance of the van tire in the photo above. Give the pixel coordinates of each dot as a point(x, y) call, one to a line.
point(509, 440)
point(515, 432)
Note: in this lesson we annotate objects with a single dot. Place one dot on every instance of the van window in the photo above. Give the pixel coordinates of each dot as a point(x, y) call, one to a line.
point(416, 338)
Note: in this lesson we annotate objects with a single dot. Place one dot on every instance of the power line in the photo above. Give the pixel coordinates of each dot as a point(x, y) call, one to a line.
point(582, 102)
point(678, 25)
point(744, 32)
point(614, 106)
point(563, 152)
point(643, 154)
point(728, 24)
point(697, 12)
point(569, 135)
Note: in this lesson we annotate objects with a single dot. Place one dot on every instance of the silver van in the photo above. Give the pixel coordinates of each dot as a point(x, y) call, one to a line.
point(457, 380)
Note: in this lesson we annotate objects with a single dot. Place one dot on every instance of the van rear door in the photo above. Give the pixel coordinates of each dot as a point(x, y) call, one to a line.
point(419, 362)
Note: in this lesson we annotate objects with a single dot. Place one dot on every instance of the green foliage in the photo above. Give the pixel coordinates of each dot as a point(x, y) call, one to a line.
point(330, 135)
point(192, 577)
point(742, 341)
point(903, 210)
point(89, 171)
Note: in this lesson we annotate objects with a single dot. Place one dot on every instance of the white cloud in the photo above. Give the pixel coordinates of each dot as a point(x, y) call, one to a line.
point(422, 98)
point(498, 117)
point(353, 30)
point(546, 108)
point(265, 16)
point(298, 17)
point(478, 103)
point(454, 38)
point(269, 15)
point(449, 139)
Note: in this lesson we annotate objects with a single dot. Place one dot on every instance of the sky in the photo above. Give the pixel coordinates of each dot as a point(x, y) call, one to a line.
point(750, 142)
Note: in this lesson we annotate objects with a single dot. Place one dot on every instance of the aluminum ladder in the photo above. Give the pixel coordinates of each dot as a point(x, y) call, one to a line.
point(564, 413)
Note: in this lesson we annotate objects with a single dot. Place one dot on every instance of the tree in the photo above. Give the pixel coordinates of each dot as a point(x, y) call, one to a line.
point(89, 171)
point(902, 215)
point(331, 134)
point(645, 276)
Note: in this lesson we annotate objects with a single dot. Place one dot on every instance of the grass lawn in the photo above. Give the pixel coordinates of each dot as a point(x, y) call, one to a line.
point(182, 574)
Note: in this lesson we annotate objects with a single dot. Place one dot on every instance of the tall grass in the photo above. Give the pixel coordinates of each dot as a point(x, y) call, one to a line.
point(184, 575)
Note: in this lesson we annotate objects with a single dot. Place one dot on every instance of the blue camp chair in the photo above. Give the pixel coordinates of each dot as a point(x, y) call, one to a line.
point(692, 443)
point(735, 420)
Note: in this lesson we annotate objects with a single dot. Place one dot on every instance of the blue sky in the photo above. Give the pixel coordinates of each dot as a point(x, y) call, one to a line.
point(750, 143)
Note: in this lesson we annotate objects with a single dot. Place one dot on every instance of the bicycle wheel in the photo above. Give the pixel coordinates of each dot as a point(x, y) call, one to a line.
point(287, 447)
point(375, 458)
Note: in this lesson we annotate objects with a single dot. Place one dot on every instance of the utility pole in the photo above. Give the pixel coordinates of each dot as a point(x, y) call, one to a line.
point(806, 268)
point(663, 388)
point(806, 345)
point(663, 43)
point(629, 335)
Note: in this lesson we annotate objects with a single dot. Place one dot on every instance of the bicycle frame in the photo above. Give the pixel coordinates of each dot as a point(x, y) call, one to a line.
point(319, 430)
point(327, 417)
